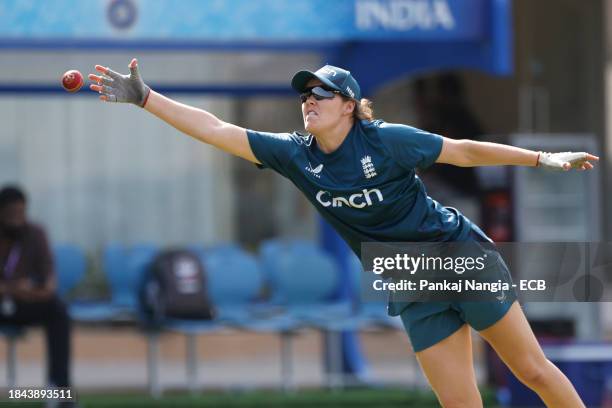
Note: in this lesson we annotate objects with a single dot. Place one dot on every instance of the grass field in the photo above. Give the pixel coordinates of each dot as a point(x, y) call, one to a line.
point(379, 398)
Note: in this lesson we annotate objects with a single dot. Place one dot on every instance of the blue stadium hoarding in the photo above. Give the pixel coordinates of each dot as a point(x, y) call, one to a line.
point(244, 20)
point(378, 40)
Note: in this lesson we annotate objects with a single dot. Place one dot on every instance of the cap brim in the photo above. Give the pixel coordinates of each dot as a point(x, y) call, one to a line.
point(301, 78)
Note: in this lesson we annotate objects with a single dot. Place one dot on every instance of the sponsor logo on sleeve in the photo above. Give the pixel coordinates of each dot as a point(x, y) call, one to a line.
point(314, 171)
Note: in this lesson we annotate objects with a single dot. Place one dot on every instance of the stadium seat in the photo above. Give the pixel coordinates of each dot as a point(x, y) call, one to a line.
point(235, 284)
point(190, 328)
point(70, 266)
point(98, 311)
point(125, 286)
point(124, 269)
point(370, 305)
point(304, 279)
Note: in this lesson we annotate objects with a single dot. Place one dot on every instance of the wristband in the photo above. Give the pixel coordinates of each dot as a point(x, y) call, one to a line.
point(146, 98)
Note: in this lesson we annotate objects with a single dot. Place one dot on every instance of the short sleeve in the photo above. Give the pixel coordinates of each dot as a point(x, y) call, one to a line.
point(409, 146)
point(272, 150)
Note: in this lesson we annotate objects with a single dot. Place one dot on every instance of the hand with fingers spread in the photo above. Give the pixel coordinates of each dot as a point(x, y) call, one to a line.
point(566, 160)
point(115, 87)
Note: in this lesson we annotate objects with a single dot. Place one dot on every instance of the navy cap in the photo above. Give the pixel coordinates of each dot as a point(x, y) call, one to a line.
point(335, 78)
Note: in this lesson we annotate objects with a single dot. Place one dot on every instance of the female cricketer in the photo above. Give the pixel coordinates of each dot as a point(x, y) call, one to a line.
point(359, 173)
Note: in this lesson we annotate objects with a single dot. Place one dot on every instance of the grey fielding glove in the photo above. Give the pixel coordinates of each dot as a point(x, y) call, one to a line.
point(125, 88)
point(556, 161)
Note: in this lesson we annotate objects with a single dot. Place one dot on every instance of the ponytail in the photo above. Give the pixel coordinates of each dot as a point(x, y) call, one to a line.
point(363, 110)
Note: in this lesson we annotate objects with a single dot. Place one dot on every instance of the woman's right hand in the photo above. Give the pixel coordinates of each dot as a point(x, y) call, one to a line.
point(115, 87)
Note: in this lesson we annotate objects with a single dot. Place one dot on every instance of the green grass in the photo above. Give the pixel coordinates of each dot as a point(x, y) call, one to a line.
point(353, 398)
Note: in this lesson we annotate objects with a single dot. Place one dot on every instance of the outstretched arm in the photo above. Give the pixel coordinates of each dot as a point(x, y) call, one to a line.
point(197, 123)
point(470, 153)
point(201, 125)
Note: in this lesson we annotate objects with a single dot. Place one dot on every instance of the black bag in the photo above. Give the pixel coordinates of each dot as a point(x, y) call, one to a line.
point(174, 286)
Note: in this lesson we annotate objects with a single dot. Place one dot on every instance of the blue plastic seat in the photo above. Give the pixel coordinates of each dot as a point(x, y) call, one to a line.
point(304, 279)
point(370, 305)
point(124, 268)
point(70, 266)
point(234, 282)
point(125, 286)
point(113, 257)
point(237, 282)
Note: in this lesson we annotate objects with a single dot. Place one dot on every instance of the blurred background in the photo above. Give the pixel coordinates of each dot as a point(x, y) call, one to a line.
point(113, 186)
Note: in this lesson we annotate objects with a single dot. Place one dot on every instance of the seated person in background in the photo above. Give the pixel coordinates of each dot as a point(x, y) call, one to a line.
point(28, 283)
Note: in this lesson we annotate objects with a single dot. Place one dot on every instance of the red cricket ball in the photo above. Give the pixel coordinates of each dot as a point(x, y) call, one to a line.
point(72, 80)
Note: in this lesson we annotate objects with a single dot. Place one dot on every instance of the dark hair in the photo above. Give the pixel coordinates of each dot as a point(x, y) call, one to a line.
point(363, 108)
point(11, 194)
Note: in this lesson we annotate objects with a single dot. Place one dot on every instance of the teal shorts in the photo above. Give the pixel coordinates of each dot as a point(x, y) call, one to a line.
point(431, 322)
point(428, 323)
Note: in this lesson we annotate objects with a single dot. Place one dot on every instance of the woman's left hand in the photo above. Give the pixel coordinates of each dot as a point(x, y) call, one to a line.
point(566, 160)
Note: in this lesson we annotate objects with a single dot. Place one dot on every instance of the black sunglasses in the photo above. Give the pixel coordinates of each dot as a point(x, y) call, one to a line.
point(319, 93)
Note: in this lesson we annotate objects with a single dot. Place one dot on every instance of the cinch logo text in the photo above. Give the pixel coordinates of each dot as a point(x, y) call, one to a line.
point(357, 200)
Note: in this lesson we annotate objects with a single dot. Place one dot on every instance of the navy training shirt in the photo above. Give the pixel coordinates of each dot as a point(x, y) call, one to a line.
point(367, 189)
